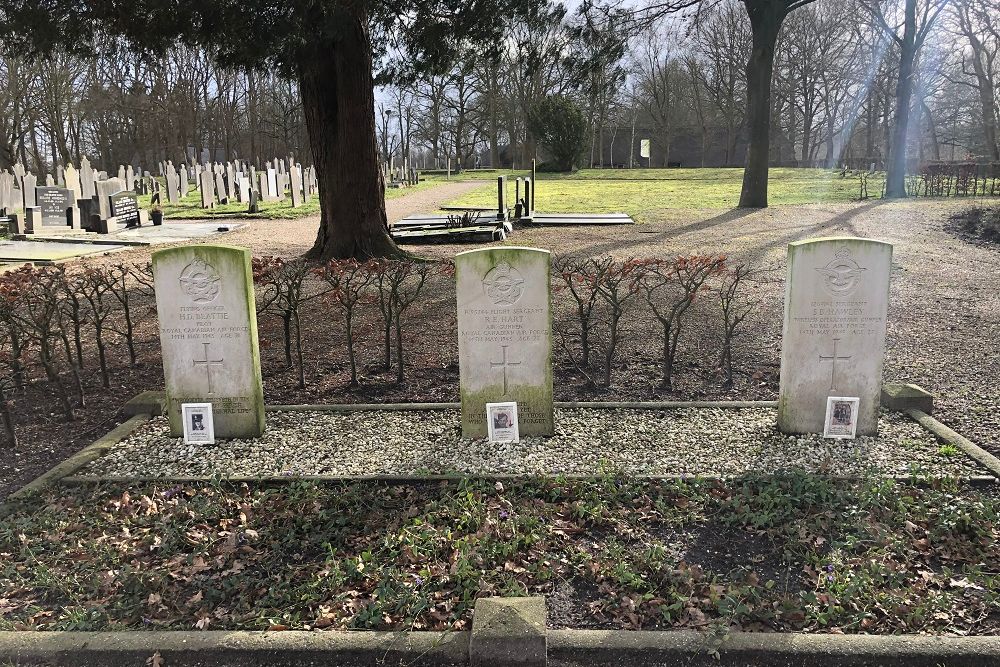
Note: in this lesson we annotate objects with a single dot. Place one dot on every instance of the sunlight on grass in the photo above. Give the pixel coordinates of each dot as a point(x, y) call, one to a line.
point(643, 191)
point(189, 207)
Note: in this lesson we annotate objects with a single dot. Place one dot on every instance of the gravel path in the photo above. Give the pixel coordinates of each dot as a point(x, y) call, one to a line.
point(696, 441)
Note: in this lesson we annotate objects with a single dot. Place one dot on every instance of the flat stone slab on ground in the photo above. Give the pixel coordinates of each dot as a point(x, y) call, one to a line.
point(173, 232)
point(693, 441)
point(50, 251)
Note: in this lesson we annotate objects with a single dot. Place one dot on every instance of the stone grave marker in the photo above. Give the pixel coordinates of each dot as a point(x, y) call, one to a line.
point(6, 191)
point(242, 189)
point(72, 177)
point(207, 188)
point(183, 181)
point(125, 207)
point(121, 172)
point(105, 189)
point(836, 302)
point(220, 188)
point(87, 179)
point(505, 336)
point(173, 186)
point(272, 185)
point(28, 183)
point(53, 204)
point(49, 181)
point(130, 177)
point(230, 181)
point(208, 334)
point(295, 176)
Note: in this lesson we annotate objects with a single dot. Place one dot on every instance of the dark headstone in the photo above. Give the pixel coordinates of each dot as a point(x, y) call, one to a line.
point(54, 203)
point(125, 207)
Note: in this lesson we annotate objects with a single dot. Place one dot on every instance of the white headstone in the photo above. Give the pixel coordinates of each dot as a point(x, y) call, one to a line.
point(28, 184)
point(272, 185)
point(836, 301)
point(220, 187)
point(73, 181)
point(173, 186)
point(105, 189)
point(87, 179)
point(207, 187)
point(505, 336)
point(183, 181)
point(295, 177)
point(208, 336)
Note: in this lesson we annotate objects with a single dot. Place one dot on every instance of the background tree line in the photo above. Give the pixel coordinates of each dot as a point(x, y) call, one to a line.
point(681, 83)
point(120, 108)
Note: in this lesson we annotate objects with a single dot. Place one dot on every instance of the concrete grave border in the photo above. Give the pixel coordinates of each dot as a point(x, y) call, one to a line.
point(506, 632)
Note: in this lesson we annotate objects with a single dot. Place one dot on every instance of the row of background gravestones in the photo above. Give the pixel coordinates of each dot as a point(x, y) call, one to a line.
point(17, 189)
point(833, 344)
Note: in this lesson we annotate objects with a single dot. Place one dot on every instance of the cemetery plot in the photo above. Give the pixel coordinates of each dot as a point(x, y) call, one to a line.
point(469, 227)
point(711, 442)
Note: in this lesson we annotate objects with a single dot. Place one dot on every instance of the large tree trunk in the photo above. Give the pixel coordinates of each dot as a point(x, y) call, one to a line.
point(765, 20)
point(339, 107)
point(895, 178)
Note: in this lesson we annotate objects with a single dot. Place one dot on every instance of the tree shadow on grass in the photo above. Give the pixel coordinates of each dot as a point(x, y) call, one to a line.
point(622, 244)
point(841, 224)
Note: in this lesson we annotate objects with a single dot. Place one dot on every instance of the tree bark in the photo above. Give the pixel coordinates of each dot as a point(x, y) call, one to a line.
point(339, 107)
point(766, 17)
point(895, 179)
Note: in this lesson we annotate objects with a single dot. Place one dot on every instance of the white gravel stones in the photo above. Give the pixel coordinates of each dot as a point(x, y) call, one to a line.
point(692, 441)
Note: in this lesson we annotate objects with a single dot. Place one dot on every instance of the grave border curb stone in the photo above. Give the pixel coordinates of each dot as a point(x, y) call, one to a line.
point(953, 437)
point(74, 463)
point(638, 648)
point(244, 647)
point(566, 647)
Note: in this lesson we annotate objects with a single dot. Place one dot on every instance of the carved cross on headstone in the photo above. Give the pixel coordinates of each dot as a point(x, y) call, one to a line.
point(833, 359)
point(504, 363)
point(208, 363)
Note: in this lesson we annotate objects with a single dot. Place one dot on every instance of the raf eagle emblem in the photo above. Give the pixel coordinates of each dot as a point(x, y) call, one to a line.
point(841, 276)
point(200, 281)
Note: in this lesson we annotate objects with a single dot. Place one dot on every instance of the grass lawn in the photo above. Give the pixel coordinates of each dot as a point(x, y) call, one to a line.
point(189, 207)
point(788, 552)
point(641, 192)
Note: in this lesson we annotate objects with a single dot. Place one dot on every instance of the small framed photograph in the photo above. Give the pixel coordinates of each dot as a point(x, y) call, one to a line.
point(198, 424)
point(841, 417)
point(501, 418)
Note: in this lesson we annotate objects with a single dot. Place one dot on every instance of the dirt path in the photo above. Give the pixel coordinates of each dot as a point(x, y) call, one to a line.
point(290, 238)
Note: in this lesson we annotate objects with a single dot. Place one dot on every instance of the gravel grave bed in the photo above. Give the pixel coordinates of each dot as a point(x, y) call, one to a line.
point(693, 441)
